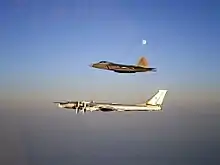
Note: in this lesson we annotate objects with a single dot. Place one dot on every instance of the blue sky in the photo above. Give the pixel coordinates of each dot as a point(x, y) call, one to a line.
point(47, 46)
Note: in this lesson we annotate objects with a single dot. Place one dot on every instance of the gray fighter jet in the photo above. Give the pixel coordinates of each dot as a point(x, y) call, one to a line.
point(142, 66)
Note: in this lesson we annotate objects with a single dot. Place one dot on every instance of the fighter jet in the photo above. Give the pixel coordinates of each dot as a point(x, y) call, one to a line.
point(142, 66)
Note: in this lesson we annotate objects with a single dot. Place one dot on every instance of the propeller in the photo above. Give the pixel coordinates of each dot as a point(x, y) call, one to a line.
point(83, 106)
point(77, 107)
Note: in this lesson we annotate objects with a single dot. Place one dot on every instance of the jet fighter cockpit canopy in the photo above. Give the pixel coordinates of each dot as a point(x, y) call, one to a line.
point(103, 62)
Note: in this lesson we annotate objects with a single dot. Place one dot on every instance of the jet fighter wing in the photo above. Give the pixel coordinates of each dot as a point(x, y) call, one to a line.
point(133, 67)
point(123, 66)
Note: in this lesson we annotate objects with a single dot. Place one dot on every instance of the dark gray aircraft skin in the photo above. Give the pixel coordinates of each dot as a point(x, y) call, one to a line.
point(142, 66)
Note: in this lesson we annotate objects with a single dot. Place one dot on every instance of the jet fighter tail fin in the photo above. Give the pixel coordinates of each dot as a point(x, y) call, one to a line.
point(142, 62)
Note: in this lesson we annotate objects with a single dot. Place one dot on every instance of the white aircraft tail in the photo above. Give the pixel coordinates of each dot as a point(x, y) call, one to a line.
point(142, 62)
point(157, 99)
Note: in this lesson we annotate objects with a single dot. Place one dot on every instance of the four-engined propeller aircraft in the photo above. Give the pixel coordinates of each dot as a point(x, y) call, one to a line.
point(153, 104)
point(142, 66)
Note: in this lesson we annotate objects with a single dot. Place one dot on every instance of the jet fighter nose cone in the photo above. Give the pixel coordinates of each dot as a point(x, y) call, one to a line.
point(91, 65)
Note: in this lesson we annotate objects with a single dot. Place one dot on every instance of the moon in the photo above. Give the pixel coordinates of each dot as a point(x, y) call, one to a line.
point(144, 42)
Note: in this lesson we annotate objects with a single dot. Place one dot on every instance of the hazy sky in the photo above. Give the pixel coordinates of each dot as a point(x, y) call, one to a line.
point(47, 46)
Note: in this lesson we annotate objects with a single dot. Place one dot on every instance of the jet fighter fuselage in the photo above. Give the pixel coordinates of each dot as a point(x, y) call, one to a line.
point(142, 66)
